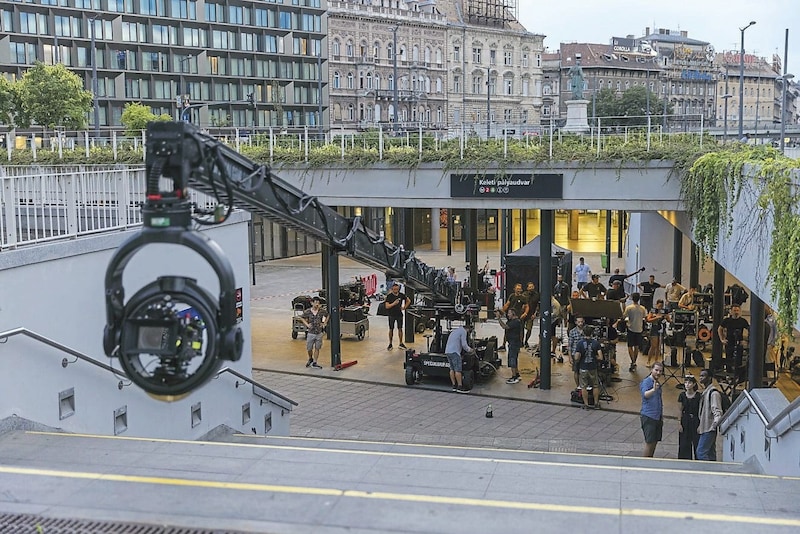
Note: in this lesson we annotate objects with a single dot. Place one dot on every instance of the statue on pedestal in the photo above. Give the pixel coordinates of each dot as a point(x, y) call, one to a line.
point(576, 79)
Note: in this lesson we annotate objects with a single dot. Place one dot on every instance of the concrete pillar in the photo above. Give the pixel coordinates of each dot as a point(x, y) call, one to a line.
point(694, 265)
point(573, 222)
point(608, 241)
point(435, 238)
point(471, 244)
point(334, 327)
point(717, 312)
point(677, 253)
point(755, 364)
point(546, 292)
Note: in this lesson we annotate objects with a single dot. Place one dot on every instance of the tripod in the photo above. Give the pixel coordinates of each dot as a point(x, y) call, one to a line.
point(601, 379)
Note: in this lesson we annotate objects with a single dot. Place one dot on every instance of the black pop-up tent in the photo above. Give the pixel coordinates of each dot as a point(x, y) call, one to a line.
point(522, 265)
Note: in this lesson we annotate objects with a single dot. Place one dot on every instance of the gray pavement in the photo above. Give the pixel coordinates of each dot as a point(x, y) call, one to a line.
point(371, 401)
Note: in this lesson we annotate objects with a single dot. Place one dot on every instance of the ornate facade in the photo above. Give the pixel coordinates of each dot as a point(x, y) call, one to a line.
point(459, 63)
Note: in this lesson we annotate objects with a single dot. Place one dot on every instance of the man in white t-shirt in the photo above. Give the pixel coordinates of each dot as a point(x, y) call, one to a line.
point(633, 316)
point(582, 274)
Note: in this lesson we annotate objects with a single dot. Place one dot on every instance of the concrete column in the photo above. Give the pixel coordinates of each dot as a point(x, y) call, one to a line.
point(523, 227)
point(608, 241)
point(472, 249)
point(573, 222)
point(546, 292)
point(694, 265)
point(717, 312)
point(334, 327)
point(620, 218)
point(435, 238)
point(755, 364)
point(677, 253)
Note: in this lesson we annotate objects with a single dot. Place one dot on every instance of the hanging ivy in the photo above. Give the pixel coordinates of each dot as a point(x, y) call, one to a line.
point(713, 186)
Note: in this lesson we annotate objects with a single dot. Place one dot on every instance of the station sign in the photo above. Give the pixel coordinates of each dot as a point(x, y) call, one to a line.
point(517, 185)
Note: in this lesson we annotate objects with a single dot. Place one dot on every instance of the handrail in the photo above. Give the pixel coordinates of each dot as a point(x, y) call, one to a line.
point(252, 382)
point(63, 348)
point(769, 426)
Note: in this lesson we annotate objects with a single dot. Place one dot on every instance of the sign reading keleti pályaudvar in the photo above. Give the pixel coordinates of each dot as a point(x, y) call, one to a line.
point(533, 186)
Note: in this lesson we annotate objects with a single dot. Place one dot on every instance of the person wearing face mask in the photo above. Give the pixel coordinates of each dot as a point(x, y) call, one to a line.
point(688, 437)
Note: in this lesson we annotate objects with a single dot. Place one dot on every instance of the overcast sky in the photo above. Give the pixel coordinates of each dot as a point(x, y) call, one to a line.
point(715, 21)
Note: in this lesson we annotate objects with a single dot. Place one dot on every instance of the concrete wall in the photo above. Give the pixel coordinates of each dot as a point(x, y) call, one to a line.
point(642, 186)
point(57, 291)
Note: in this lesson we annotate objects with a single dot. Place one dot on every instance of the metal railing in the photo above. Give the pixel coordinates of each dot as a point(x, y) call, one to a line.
point(786, 420)
point(41, 204)
point(70, 351)
point(257, 388)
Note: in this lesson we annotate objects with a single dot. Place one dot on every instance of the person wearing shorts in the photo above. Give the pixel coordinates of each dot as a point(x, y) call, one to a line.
point(588, 352)
point(652, 413)
point(457, 342)
point(315, 319)
point(633, 316)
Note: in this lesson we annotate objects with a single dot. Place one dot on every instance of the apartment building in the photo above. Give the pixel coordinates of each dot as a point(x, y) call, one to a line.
point(458, 63)
point(235, 62)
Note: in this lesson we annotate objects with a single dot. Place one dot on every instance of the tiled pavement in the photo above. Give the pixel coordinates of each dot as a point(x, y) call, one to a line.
point(370, 401)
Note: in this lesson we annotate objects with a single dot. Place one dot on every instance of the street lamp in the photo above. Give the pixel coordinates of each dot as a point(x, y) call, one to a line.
point(784, 79)
point(94, 80)
point(394, 84)
point(741, 81)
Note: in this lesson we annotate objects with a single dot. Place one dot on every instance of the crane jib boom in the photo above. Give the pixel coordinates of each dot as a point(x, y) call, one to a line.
point(181, 152)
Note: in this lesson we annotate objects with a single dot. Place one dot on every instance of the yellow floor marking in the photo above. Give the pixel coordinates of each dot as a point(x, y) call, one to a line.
point(433, 456)
point(404, 497)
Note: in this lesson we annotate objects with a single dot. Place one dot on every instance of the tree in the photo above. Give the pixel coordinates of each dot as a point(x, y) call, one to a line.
point(50, 96)
point(135, 117)
point(7, 100)
point(629, 108)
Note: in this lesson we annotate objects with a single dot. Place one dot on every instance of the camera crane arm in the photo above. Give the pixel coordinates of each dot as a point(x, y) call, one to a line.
point(196, 160)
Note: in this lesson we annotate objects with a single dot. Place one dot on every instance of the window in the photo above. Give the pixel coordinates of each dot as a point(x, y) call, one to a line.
point(525, 86)
point(23, 53)
point(508, 57)
point(507, 115)
point(524, 116)
point(391, 82)
point(476, 55)
point(525, 59)
point(350, 80)
point(337, 80)
point(492, 57)
point(477, 84)
point(285, 20)
point(415, 54)
point(457, 54)
point(336, 48)
point(509, 86)
point(348, 49)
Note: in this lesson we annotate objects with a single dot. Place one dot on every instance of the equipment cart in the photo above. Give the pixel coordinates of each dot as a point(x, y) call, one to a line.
point(354, 322)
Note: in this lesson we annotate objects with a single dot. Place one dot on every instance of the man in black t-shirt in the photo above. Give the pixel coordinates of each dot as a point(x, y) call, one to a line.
point(648, 288)
point(519, 303)
point(396, 303)
point(732, 331)
point(533, 307)
point(587, 353)
point(594, 289)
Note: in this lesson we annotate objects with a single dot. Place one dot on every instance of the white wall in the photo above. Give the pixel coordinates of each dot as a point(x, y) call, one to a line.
point(57, 291)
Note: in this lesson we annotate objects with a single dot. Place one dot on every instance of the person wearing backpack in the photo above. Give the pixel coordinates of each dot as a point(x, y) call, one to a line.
point(710, 416)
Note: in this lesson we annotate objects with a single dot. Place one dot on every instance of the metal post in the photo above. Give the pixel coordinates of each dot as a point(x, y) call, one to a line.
point(546, 292)
point(620, 219)
point(741, 81)
point(94, 80)
point(783, 95)
point(694, 265)
point(319, 95)
point(396, 81)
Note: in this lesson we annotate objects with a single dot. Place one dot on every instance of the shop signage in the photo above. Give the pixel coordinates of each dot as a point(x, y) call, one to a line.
point(522, 185)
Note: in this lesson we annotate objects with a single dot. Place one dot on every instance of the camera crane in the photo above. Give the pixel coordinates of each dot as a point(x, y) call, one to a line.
point(172, 335)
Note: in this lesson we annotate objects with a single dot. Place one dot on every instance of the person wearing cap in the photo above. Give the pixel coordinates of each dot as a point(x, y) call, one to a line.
point(688, 437)
point(594, 290)
point(396, 304)
point(457, 343)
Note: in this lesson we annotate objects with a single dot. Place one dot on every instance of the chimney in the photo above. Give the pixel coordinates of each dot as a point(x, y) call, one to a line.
point(647, 31)
point(684, 33)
